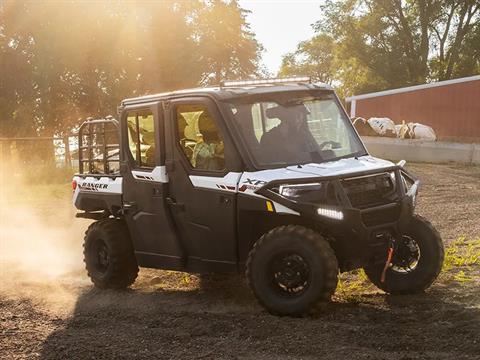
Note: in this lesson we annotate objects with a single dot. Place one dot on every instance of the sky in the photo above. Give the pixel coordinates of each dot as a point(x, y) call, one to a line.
point(280, 25)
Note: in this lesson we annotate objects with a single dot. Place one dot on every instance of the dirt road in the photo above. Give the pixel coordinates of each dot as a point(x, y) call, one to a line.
point(58, 315)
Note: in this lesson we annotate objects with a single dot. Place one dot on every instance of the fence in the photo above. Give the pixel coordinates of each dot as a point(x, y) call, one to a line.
point(61, 151)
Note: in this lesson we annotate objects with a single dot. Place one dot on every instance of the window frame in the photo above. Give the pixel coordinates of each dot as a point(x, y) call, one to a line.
point(215, 114)
point(157, 130)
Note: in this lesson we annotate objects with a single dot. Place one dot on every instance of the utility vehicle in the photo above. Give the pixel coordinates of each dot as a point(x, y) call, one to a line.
point(263, 177)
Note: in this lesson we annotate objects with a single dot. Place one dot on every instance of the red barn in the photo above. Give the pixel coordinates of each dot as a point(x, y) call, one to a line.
point(451, 107)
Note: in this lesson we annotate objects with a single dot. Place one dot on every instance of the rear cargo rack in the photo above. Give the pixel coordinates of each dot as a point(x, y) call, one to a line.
point(99, 147)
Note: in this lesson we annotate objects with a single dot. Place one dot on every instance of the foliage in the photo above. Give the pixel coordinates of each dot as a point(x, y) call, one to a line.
point(379, 44)
point(64, 61)
point(229, 49)
point(313, 57)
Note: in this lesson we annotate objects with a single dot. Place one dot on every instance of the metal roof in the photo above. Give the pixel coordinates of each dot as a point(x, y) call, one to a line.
point(413, 88)
point(227, 92)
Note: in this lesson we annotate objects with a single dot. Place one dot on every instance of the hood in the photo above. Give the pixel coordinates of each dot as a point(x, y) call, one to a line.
point(338, 167)
point(342, 166)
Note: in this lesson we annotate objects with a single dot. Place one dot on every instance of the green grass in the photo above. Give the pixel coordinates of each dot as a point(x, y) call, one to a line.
point(461, 258)
point(353, 283)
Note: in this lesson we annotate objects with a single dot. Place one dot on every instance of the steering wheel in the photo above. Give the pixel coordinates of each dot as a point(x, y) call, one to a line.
point(334, 144)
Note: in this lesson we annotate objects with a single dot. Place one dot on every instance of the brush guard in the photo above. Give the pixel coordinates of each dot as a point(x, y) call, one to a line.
point(355, 220)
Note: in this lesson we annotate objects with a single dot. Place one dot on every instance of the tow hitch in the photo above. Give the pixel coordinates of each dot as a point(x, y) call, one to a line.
point(388, 263)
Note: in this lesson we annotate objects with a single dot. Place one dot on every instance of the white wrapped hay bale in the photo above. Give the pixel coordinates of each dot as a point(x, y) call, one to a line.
point(363, 127)
point(415, 131)
point(383, 126)
point(421, 131)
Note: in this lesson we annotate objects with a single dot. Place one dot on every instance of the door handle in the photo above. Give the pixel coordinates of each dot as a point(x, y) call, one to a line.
point(173, 203)
point(129, 207)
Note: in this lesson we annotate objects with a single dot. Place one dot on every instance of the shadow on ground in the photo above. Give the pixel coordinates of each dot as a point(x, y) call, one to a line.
point(220, 319)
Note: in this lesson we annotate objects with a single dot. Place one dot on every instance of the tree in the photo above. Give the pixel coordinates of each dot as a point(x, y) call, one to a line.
point(314, 58)
point(395, 43)
point(227, 47)
point(64, 61)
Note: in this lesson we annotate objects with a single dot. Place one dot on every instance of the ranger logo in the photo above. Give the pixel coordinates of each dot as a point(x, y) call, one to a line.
point(92, 186)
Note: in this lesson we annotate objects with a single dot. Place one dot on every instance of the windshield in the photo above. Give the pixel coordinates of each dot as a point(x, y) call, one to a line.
point(281, 132)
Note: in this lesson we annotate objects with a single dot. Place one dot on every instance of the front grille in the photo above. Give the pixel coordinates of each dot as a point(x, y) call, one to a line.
point(383, 216)
point(369, 191)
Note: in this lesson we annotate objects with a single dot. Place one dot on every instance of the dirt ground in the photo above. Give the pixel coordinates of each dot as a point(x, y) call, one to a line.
point(48, 309)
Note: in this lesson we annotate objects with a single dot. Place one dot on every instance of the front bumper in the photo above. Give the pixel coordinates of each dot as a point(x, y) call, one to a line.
point(363, 223)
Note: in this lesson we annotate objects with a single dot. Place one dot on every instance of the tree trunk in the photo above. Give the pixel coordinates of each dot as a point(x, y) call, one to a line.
point(68, 158)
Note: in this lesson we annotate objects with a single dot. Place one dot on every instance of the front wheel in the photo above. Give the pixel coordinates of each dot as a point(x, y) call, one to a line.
point(291, 269)
point(416, 263)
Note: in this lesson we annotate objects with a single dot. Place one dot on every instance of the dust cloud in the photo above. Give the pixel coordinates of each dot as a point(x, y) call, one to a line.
point(40, 242)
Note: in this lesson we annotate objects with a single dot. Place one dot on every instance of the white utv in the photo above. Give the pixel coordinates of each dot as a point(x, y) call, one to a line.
point(266, 178)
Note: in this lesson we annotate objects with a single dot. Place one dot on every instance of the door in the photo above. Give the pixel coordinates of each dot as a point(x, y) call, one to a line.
point(145, 185)
point(203, 185)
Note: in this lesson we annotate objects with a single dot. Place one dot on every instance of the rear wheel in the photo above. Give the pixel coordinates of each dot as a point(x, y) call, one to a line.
point(416, 263)
point(108, 254)
point(291, 269)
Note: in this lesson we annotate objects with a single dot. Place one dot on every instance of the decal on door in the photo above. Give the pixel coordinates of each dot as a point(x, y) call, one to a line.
point(227, 183)
point(158, 174)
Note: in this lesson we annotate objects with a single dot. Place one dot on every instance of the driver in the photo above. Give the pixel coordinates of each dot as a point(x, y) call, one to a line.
point(291, 140)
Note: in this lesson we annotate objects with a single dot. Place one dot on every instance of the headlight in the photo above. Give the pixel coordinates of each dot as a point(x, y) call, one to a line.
point(296, 191)
point(330, 213)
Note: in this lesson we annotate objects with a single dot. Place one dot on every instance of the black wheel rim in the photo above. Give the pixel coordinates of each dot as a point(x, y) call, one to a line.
point(289, 274)
point(406, 256)
point(101, 256)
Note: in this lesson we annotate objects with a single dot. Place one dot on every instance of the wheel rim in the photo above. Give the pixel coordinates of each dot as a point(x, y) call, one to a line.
point(289, 273)
point(101, 256)
point(407, 256)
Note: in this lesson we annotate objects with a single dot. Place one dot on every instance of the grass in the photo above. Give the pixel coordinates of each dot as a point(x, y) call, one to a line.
point(461, 256)
point(31, 184)
point(39, 194)
point(353, 283)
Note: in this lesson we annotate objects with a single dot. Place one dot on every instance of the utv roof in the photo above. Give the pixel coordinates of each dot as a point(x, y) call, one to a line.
point(227, 91)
